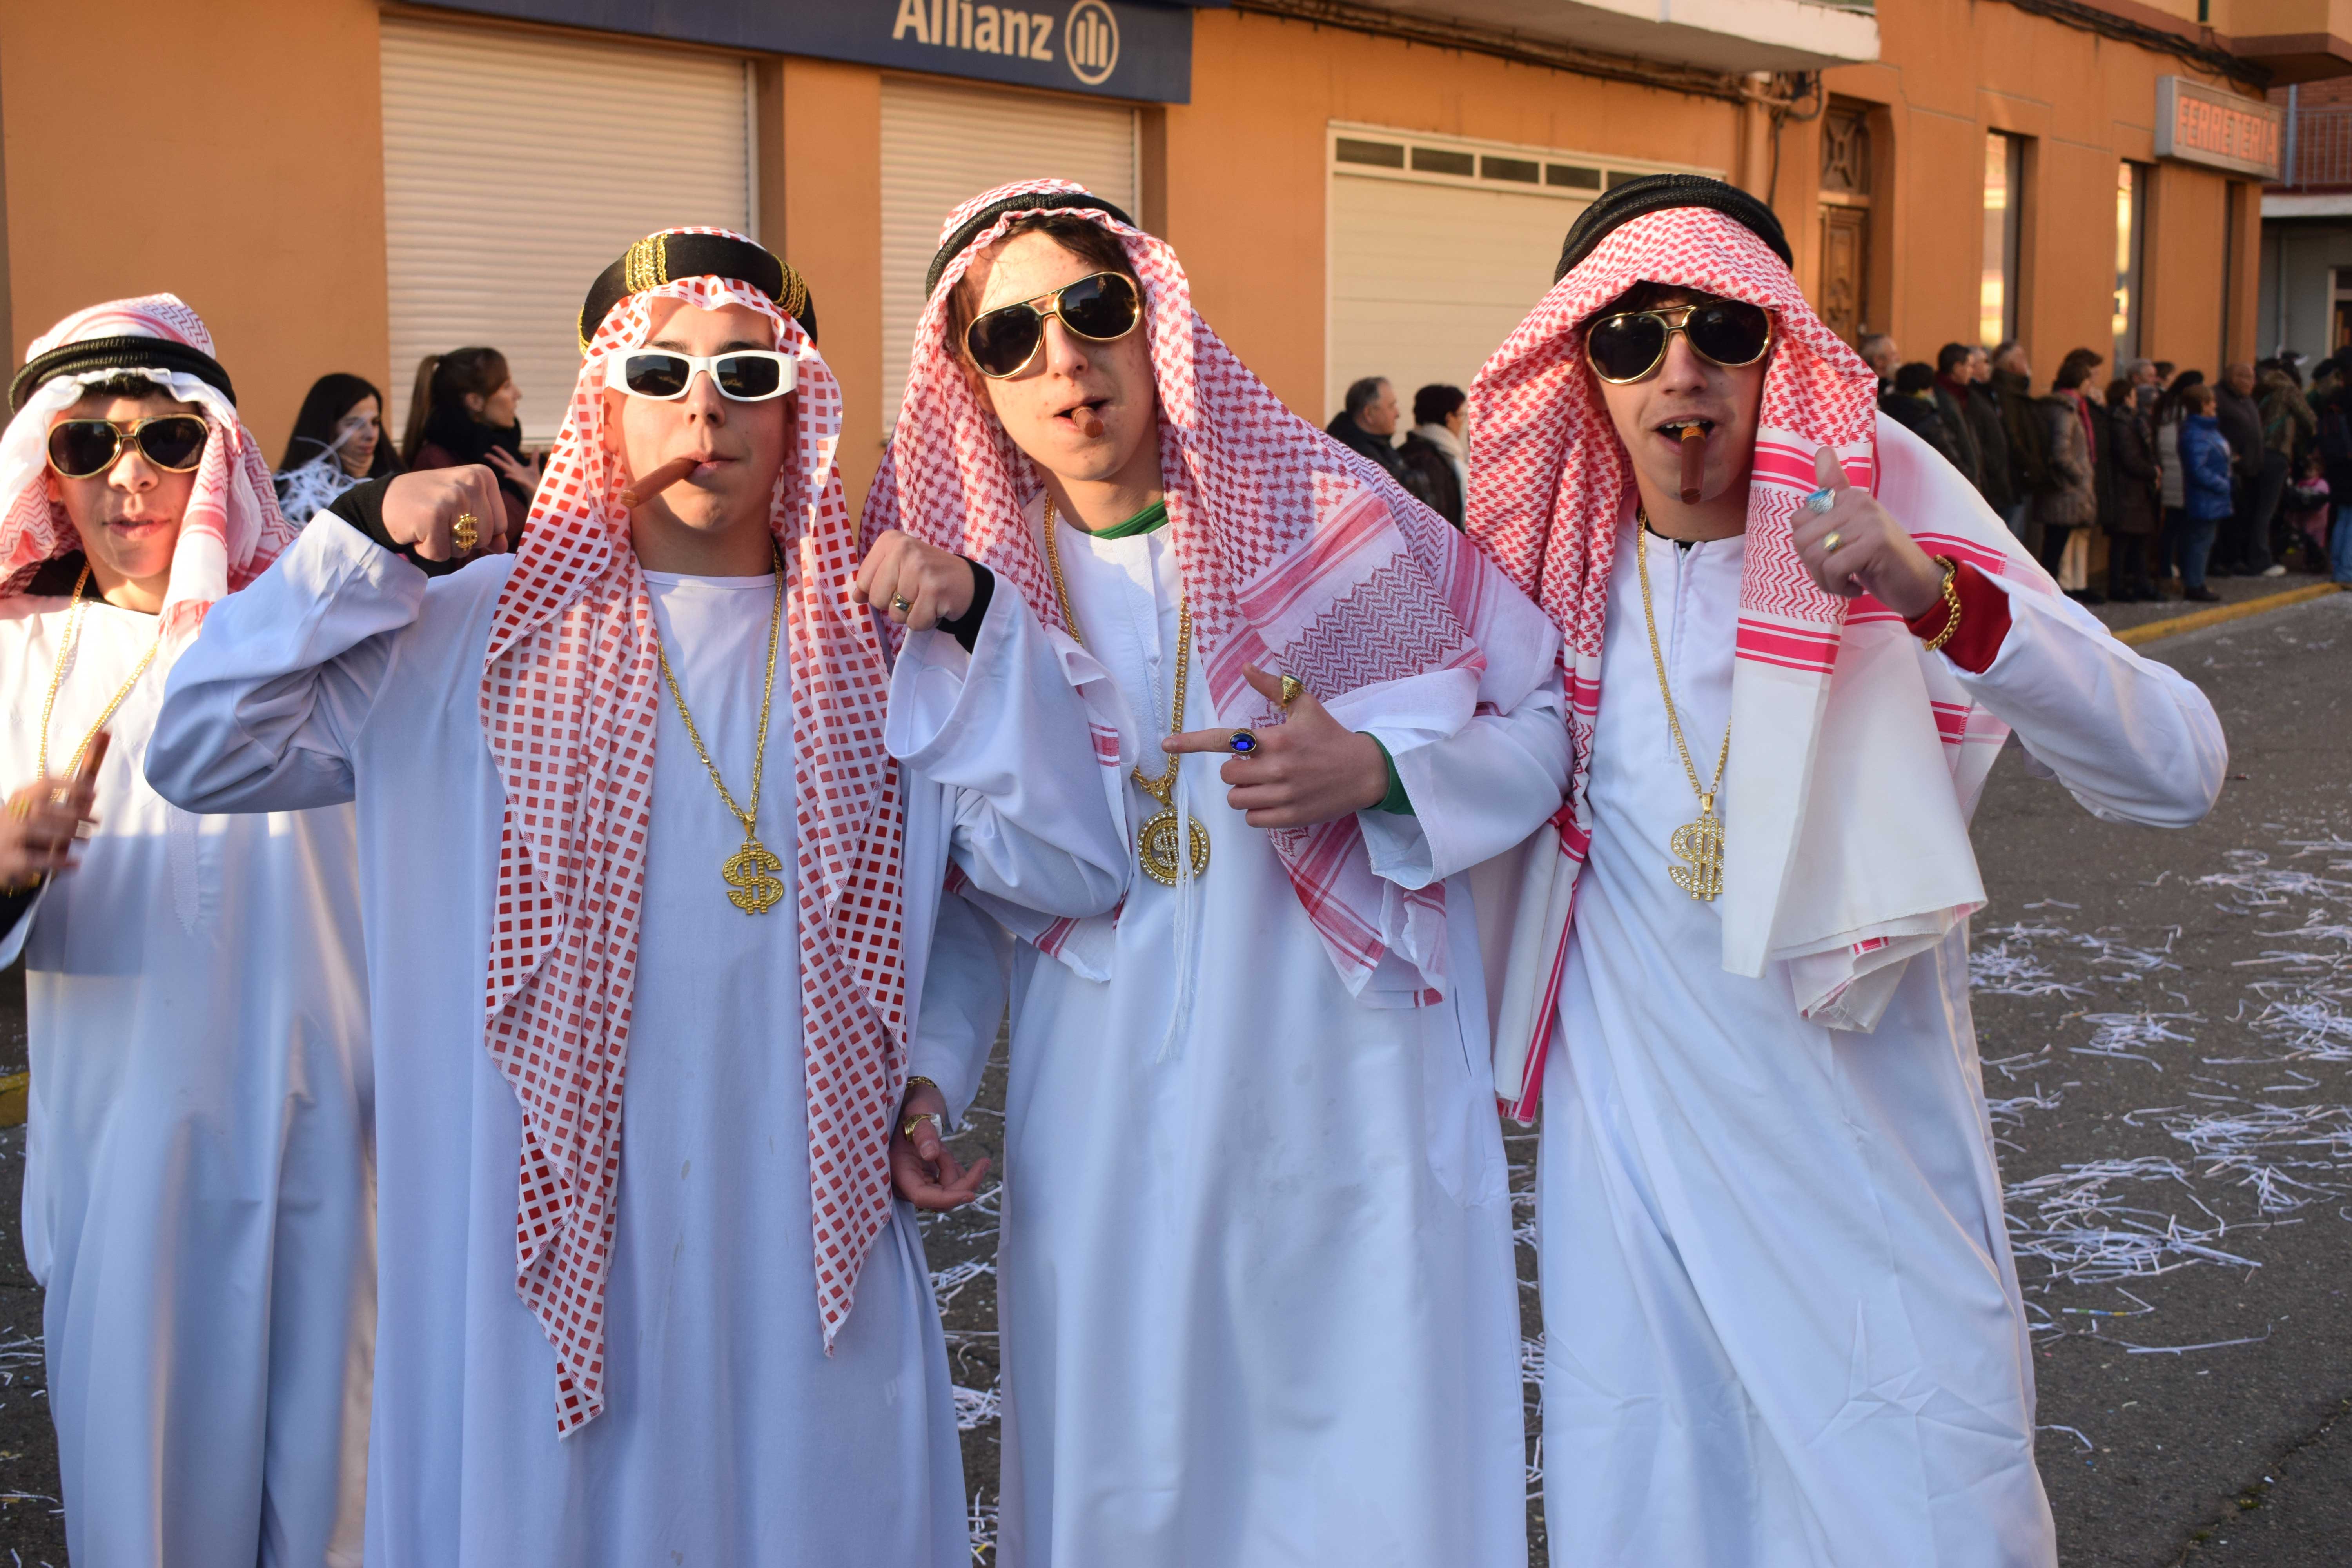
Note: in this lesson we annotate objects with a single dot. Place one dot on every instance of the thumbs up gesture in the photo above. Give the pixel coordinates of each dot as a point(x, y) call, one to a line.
point(1855, 546)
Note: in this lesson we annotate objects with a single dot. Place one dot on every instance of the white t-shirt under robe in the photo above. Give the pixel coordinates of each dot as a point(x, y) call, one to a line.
point(197, 1184)
point(730, 1436)
point(1256, 1283)
point(1783, 1327)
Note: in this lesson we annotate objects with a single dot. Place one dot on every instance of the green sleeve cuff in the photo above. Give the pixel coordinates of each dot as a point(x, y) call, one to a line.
point(1396, 801)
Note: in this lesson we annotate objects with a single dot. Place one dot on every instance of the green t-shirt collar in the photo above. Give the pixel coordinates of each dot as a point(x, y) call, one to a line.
point(1144, 521)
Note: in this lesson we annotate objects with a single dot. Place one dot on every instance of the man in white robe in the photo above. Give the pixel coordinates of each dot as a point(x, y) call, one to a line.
point(197, 1179)
point(577, 863)
point(1783, 1325)
point(1255, 1282)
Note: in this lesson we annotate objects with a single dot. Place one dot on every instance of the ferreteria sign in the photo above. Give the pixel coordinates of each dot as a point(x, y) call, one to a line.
point(1117, 49)
point(2201, 124)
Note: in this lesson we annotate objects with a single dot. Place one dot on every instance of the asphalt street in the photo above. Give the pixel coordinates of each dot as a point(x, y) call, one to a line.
point(2166, 1022)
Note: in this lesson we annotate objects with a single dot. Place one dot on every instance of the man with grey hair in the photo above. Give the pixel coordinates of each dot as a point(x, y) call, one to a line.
point(1367, 422)
point(1879, 352)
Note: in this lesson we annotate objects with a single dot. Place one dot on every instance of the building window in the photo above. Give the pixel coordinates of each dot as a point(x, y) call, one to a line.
point(1845, 190)
point(2004, 209)
point(2131, 244)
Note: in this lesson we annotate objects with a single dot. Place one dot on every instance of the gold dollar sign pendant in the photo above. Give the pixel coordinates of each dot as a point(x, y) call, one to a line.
point(752, 876)
point(1701, 844)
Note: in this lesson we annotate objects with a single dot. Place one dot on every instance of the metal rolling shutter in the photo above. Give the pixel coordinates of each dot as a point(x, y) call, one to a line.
point(941, 144)
point(516, 167)
point(1427, 280)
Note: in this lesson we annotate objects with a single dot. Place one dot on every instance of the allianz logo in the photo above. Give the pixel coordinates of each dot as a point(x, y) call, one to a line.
point(1089, 41)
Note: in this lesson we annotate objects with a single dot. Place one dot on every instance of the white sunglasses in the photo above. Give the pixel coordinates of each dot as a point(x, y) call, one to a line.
point(664, 375)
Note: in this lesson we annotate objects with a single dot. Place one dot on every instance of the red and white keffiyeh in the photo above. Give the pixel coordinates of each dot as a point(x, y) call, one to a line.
point(1855, 758)
point(1298, 556)
point(570, 695)
point(232, 529)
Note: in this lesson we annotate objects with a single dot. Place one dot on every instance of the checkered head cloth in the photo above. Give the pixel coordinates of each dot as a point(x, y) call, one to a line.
point(1298, 556)
point(232, 529)
point(570, 695)
point(1549, 480)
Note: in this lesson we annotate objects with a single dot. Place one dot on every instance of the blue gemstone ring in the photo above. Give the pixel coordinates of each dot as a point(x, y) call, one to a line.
point(1820, 501)
point(1243, 743)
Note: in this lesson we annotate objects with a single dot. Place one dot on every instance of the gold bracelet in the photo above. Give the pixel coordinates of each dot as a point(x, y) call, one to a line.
point(914, 1079)
point(1951, 602)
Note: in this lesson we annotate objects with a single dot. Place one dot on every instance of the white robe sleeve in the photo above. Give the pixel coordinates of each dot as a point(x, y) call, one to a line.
point(965, 988)
point(2133, 739)
point(1011, 731)
point(263, 711)
point(1475, 793)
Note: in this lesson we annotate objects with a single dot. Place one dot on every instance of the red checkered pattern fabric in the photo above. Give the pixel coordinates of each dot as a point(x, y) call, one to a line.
point(232, 529)
point(1549, 480)
point(1298, 556)
point(570, 695)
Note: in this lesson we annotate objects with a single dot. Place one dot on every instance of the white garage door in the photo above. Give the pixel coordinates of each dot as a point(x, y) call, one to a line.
point(943, 144)
point(1438, 248)
point(516, 167)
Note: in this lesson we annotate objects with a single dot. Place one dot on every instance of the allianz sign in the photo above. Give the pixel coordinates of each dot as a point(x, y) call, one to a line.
point(1088, 42)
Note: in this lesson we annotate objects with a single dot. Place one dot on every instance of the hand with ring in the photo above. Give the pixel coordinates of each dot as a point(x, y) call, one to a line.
point(43, 820)
point(920, 584)
point(925, 1174)
point(1308, 769)
point(427, 511)
point(1854, 546)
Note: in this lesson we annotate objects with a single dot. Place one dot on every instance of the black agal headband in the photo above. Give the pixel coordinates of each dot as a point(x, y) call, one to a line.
point(659, 258)
point(1655, 192)
point(1029, 202)
point(128, 352)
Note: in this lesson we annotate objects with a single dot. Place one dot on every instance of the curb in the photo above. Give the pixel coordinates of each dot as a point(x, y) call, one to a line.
point(2197, 620)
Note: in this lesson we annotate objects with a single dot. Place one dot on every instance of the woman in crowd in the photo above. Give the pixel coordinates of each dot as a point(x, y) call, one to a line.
point(2138, 495)
point(2167, 418)
point(338, 441)
point(463, 411)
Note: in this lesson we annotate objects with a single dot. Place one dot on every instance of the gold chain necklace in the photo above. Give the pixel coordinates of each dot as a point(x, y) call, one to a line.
point(1156, 845)
point(80, 608)
point(753, 873)
point(1701, 842)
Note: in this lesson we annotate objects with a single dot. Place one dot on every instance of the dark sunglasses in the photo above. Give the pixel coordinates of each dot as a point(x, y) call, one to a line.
point(1632, 344)
point(1101, 308)
point(743, 375)
point(80, 449)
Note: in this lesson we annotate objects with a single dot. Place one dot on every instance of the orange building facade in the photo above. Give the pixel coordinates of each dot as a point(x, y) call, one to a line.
point(342, 184)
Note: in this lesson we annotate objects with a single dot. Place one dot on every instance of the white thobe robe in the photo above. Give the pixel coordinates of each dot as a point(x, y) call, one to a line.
point(1255, 1283)
point(730, 1436)
point(1783, 1325)
point(198, 1196)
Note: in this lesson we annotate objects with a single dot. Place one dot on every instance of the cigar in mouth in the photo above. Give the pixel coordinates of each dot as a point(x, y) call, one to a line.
point(1694, 462)
point(1088, 426)
point(645, 489)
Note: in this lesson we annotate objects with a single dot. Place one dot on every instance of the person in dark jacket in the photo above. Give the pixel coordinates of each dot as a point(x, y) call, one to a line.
point(2238, 552)
point(1992, 441)
point(2072, 501)
point(463, 411)
point(1910, 402)
point(2138, 492)
point(2206, 486)
point(2024, 427)
point(1367, 424)
point(1434, 450)
point(1951, 394)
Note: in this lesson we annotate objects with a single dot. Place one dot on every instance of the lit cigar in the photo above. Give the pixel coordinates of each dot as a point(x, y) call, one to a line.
point(637, 495)
point(1088, 426)
point(1694, 462)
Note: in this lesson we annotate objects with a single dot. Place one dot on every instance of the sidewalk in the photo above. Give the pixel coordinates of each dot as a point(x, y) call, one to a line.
point(2234, 591)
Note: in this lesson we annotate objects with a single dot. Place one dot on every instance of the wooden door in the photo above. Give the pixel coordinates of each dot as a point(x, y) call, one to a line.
point(1846, 267)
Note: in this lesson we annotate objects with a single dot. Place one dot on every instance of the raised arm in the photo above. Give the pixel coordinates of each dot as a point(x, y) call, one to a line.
point(262, 711)
point(1461, 797)
point(1012, 728)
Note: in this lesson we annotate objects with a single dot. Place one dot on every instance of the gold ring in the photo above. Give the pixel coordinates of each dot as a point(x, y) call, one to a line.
point(1291, 687)
point(900, 603)
point(1828, 545)
point(906, 1128)
point(467, 533)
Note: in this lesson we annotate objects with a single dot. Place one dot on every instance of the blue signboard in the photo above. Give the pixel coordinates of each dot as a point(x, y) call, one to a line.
point(1117, 48)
